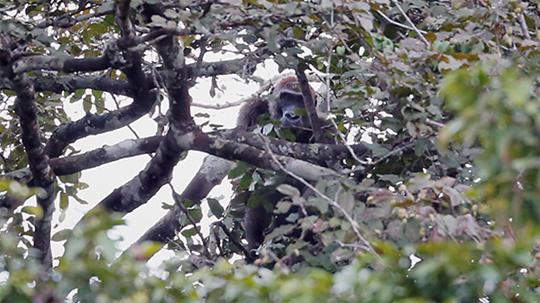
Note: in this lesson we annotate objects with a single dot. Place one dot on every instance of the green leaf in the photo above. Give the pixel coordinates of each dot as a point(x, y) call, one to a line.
point(64, 200)
point(215, 207)
point(240, 169)
point(33, 210)
point(196, 214)
point(87, 103)
point(62, 235)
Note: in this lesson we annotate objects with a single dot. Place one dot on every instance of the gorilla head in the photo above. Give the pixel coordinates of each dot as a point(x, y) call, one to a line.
point(286, 104)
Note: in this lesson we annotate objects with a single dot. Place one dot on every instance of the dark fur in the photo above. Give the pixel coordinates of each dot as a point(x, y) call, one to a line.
point(286, 94)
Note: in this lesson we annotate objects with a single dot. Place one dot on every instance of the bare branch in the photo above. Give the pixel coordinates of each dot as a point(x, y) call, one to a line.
point(317, 153)
point(66, 21)
point(396, 3)
point(212, 171)
point(65, 64)
point(93, 124)
point(142, 187)
point(222, 105)
point(158, 172)
point(254, 156)
point(70, 83)
point(523, 26)
point(393, 152)
point(309, 104)
point(106, 154)
point(38, 161)
point(435, 123)
point(397, 23)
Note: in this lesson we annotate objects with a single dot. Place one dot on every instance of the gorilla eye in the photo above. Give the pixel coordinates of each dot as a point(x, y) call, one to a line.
point(299, 99)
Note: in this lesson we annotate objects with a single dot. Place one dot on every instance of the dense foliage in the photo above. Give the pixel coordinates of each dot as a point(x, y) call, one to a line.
point(443, 208)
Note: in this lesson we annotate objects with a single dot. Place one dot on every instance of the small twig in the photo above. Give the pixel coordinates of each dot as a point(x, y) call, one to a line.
point(198, 64)
point(233, 240)
point(523, 26)
point(333, 203)
point(69, 20)
point(264, 87)
point(215, 233)
point(284, 267)
point(115, 100)
point(434, 123)
point(222, 105)
point(410, 22)
point(397, 23)
point(190, 219)
point(329, 106)
point(393, 152)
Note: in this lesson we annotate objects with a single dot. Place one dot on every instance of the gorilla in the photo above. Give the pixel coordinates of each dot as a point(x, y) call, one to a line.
point(285, 106)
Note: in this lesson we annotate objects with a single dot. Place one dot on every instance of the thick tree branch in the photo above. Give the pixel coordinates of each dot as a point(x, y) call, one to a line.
point(65, 64)
point(94, 158)
point(158, 172)
point(212, 171)
point(106, 154)
point(71, 83)
point(93, 124)
point(319, 154)
point(200, 141)
point(38, 161)
point(143, 186)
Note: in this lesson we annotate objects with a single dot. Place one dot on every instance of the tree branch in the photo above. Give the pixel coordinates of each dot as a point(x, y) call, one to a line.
point(396, 3)
point(71, 83)
point(309, 104)
point(237, 151)
point(318, 154)
point(106, 154)
point(158, 172)
point(65, 64)
point(66, 21)
point(93, 124)
point(38, 161)
point(212, 171)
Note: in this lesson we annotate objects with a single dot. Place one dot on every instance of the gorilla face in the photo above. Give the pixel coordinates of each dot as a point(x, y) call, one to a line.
point(291, 111)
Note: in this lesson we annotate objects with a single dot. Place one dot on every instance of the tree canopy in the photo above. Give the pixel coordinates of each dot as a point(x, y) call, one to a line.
point(429, 192)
